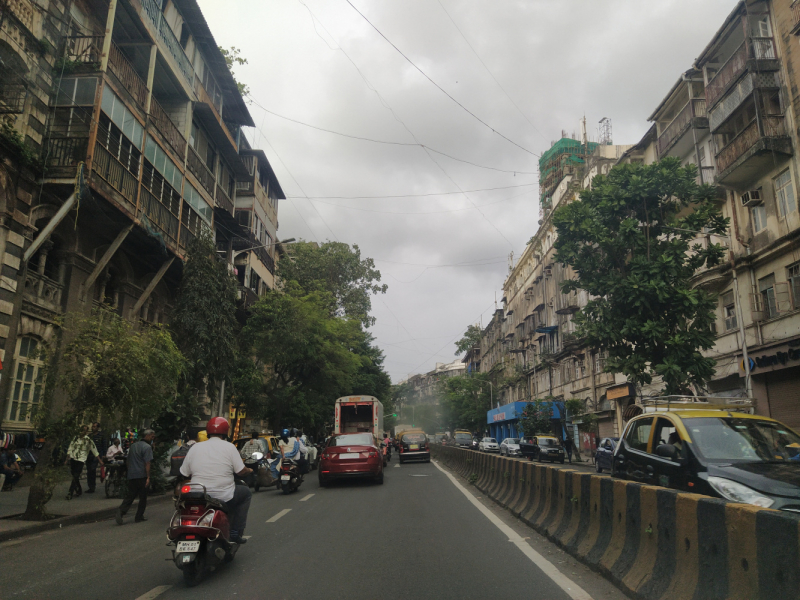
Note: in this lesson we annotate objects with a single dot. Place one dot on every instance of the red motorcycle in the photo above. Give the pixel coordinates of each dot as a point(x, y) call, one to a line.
point(200, 532)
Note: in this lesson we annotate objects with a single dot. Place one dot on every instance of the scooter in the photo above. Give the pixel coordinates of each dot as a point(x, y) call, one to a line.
point(255, 461)
point(291, 478)
point(200, 532)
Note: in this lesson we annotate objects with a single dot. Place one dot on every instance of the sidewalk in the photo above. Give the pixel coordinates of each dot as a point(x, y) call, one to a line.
point(82, 509)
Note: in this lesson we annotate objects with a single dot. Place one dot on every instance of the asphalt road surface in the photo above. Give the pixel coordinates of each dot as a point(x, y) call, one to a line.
point(422, 534)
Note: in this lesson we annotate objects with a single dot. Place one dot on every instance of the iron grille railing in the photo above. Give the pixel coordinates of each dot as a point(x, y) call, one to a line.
point(223, 200)
point(127, 76)
point(198, 168)
point(165, 126)
point(729, 72)
point(681, 122)
point(87, 49)
point(12, 93)
point(772, 127)
point(114, 173)
point(159, 216)
point(168, 37)
point(66, 152)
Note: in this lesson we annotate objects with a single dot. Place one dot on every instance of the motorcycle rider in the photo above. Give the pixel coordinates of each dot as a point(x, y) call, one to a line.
point(213, 465)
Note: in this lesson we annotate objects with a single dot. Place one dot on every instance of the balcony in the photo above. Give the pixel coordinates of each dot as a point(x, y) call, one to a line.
point(761, 83)
point(167, 128)
point(223, 201)
point(85, 49)
point(127, 76)
point(753, 150)
point(760, 49)
point(247, 296)
point(567, 304)
point(199, 169)
point(12, 92)
point(252, 244)
point(706, 175)
point(693, 115)
point(168, 38)
point(43, 291)
point(64, 154)
point(795, 17)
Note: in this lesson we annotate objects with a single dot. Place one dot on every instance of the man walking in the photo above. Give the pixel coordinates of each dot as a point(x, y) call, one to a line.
point(77, 453)
point(10, 467)
point(140, 456)
point(91, 461)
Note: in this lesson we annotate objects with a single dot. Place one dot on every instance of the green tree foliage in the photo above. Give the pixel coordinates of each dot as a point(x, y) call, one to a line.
point(338, 269)
point(629, 242)
point(472, 337)
point(467, 398)
point(535, 418)
point(204, 318)
point(371, 379)
point(311, 358)
point(233, 57)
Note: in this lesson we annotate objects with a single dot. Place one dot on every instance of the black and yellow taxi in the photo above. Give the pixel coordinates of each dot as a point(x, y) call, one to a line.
point(413, 445)
point(741, 457)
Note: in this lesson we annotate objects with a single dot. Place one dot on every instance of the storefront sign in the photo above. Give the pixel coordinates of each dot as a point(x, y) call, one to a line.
point(770, 362)
point(499, 417)
point(620, 391)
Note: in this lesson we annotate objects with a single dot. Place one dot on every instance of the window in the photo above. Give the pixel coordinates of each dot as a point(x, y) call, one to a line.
point(162, 163)
point(784, 194)
point(759, 216)
point(793, 275)
point(76, 91)
point(639, 433)
point(26, 389)
point(766, 287)
point(196, 201)
point(122, 117)
point(729, 311)
point(666, 434)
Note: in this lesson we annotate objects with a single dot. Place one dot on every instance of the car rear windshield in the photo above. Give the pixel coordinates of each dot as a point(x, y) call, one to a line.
point(548, 442)
point(512, 441)
point(747, 440)
point(490, 440)
point(414, 438)
point(354, 439)
point(463, 436)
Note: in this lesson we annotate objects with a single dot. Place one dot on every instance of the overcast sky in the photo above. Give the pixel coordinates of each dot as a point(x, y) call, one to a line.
point(527, 69)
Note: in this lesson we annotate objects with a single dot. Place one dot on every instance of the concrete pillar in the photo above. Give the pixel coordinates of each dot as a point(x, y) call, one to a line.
point(112, 11)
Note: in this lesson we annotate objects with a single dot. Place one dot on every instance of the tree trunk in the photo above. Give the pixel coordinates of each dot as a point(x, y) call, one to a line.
point(45, 478)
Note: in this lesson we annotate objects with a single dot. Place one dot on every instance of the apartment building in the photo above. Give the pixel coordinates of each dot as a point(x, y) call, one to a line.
point(136, 123)
point(427, 388)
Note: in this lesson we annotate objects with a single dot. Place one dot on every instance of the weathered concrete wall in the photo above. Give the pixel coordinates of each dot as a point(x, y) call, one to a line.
point(653, 542)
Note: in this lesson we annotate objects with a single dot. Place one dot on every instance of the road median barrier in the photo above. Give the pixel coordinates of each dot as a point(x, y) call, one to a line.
point(655, 543)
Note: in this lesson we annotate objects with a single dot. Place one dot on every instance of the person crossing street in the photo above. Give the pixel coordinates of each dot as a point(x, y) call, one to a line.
point(140, 456)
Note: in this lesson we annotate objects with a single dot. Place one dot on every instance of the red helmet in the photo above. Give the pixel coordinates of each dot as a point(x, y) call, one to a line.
point(218, 425)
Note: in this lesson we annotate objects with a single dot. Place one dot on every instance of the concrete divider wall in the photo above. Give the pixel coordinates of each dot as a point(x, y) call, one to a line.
point(655, 543)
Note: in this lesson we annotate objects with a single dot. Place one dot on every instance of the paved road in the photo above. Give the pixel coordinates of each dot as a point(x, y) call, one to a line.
point(416, 536)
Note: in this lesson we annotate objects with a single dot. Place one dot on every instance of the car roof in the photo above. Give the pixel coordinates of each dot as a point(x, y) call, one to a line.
point(687, 413)
point(546, 436)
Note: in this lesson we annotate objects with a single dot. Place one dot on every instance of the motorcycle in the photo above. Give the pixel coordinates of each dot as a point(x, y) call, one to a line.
point(255, 462)
point(386, 449)
point(116, 476)
point(200, 532)
point(291, 478)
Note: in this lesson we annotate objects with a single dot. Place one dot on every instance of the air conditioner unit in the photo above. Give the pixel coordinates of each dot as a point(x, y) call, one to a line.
point(751, 198)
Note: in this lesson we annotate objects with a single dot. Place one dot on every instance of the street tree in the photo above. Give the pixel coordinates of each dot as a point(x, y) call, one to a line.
point(204, 318)
point(467, 399)
point(338, 269)
point(535, 418)
point(107, 367)
point(471, 338)
point(629, 240)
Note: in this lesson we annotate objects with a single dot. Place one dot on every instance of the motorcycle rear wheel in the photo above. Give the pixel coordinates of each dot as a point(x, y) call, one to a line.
point(286, 490)
point(194, 572)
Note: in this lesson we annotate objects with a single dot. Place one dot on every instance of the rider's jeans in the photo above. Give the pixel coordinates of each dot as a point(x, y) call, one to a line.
point(239, 505)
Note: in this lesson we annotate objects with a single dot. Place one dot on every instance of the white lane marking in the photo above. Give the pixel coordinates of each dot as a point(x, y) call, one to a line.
point(565, 583)
point(154, 593)
point(306, 498)
point(397, 466)
point(279, 515)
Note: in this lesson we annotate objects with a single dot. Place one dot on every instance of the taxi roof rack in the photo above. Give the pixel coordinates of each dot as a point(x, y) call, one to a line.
point(665, 403)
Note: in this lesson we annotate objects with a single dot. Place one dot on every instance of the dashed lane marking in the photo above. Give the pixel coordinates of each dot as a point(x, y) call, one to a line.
point(397, 466)
point(279, 515)
point(565, 583)
point(154, 593)
point(306, 498)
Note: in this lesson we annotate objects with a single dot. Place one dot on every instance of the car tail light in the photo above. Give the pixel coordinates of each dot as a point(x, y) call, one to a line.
point(372, 454)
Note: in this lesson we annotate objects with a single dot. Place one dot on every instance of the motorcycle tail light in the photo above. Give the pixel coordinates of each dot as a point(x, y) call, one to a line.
point(188, 521)
point(186, 489)
point(206, 519)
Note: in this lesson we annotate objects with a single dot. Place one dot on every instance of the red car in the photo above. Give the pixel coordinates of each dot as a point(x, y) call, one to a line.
point(351, 455)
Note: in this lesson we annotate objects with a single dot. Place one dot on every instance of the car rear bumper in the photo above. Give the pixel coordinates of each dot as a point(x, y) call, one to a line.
point(357, 470)
point(415, 454)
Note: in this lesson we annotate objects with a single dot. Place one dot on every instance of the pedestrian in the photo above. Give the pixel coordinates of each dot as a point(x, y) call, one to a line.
point(98, 437)
point(79, 450)
point(140, 456)
point(568, 448)
point(9, 466)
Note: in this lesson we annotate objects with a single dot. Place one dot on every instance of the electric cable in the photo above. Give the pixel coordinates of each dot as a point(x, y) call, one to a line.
point(460, 191)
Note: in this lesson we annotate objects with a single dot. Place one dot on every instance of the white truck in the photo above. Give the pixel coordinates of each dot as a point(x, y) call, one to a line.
point(359, 414)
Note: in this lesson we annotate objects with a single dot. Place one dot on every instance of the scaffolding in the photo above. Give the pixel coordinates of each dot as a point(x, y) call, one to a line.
point(563, 158)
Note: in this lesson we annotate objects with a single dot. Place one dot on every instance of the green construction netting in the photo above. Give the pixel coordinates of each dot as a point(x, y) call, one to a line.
point(565, 151)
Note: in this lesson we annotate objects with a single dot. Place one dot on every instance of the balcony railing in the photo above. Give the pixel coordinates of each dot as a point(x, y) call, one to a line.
point(43, 291)
point(167, 128)
point(12, 93)
point(706, 175)
point(66, 152)
point(223, 201)
point(772, 126)
point(168, 37)
point(87, 49)
point(694, 108)
point(199, 169)
point(115, 174)
point(759, 48)
point(159, 216)
point(127, 76)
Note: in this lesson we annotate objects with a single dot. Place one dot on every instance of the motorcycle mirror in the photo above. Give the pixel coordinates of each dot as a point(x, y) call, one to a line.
point(257, 456)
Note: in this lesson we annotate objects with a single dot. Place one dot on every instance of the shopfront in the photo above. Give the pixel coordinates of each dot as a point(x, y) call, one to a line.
point(776, 382)
point(503, 422)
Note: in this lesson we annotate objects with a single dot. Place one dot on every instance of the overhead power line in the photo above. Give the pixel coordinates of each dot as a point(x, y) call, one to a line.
point(386, 142)
point(440, 88)
point(504, 187)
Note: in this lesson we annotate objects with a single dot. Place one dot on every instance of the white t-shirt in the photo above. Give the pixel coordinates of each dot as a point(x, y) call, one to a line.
point(303, 449)
point(213, 463)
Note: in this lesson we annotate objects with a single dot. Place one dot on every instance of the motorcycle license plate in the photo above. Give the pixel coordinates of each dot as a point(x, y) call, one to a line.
point(413, 447)
point(188, 546)
point(349, 455)
point(285, 477)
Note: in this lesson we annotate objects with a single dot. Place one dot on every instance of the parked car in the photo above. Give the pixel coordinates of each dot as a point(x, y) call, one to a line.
point(542, 448)
point(462, 439)
point(510, 447)
point(604, 454)
point(488, 444)
point(351, 455)
point(737, 456)
point(414, 446)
